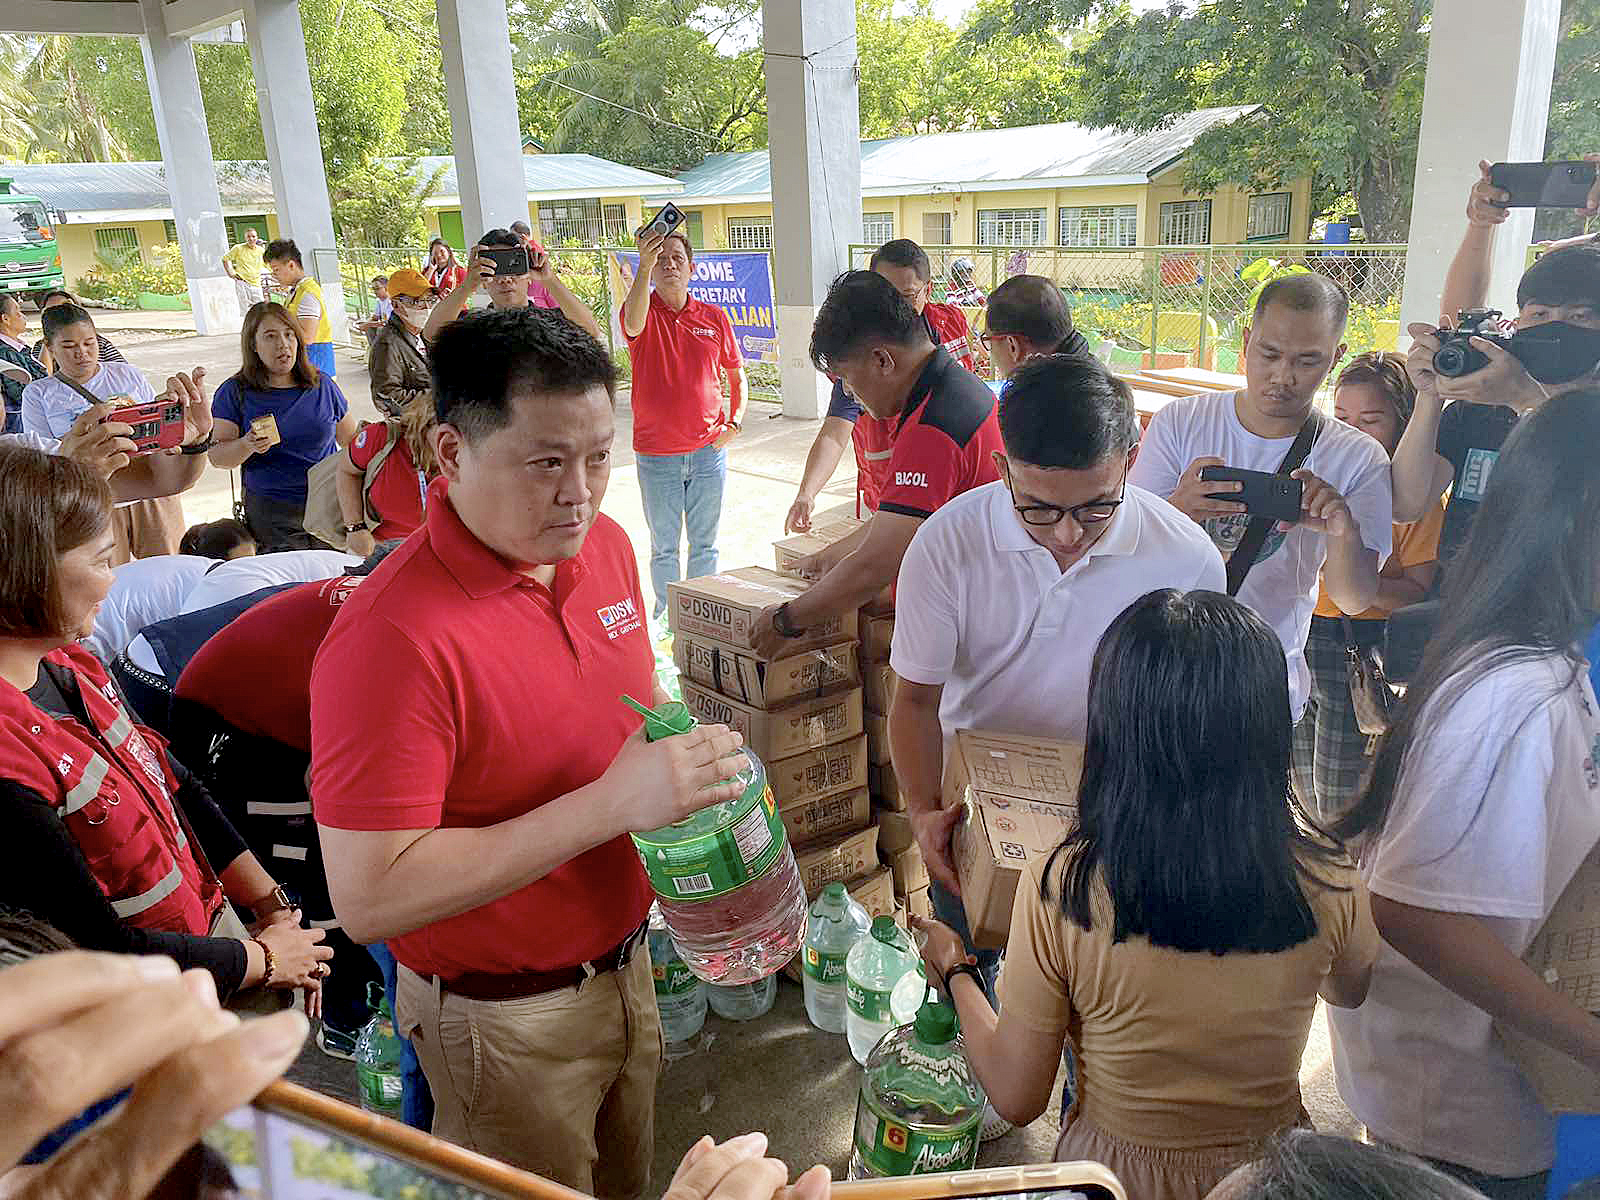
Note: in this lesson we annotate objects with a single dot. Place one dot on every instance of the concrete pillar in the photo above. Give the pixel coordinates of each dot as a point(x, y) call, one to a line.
point(1487, 95)
point(191, 172)
point(814, 146)
point(294, 146)
point(475, 44)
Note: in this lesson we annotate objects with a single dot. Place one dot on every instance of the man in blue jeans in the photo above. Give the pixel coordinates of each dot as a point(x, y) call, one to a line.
point(681, 348)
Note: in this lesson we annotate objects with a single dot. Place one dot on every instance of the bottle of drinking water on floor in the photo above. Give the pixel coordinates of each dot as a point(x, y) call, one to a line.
point(378, 1059)
point(743, 1001)
point(680, 997)
point(836, 923)
point(876, 963)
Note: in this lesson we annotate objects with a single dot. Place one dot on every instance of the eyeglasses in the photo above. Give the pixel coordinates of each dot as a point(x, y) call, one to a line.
point(986, 339)
point(1096, 512)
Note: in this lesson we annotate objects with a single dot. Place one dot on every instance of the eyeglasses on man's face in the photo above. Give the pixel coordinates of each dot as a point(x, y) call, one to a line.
point(1095, 512)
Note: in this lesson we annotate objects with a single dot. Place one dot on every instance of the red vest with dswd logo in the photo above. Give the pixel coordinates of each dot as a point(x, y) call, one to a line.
point(111, 785)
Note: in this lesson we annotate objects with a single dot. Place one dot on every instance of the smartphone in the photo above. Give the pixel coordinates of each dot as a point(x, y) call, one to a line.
point(508, 260)
point(1264, 494)
point(157, 425)
point(1544, 184)
point(1043, 1181)
point(295, 1144)
point(667, 218)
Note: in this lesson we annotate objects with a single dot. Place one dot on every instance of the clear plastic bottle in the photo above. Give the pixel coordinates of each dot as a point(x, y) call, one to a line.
point(378, 1059)
point(725, 878)
point(921, 1109)
point(743, 1001)
point(874, 965)
point(905, 1002)
point(680, 997)
point(835, 923)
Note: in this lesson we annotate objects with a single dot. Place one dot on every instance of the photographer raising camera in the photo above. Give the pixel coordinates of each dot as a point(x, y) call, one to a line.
point(503, 266)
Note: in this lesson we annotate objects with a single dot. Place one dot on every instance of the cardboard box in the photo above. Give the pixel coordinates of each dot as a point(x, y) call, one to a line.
point(826, 816)
point(742, 676)
point(910, 872)
point(838, 859)
point(920, 904)
point(1021, 797)
point(723, 608)
point(874, 892)
point(792, 729)
point(841, 767)
point(1566, 954)
point(877, 635)
point(894, 832)
point(877, 727)
point(789, 552)
point(884, 785)
point(878, 680)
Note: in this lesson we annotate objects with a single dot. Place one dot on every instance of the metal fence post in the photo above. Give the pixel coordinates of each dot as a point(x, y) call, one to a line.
point(1155, 305)
point(1205, 308)
point(606, 297)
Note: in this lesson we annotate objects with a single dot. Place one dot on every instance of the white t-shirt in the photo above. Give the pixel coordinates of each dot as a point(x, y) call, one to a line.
point(144, 591)
point(33, 441)
point(985, 611)
point(50, 407)
point(1282, 586)
point(1496, 807)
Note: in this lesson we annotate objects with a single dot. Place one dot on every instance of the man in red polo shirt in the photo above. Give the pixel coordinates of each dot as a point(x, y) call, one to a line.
point(944, 438)
point(681, 349)
point(474, 773)
point(905, 264)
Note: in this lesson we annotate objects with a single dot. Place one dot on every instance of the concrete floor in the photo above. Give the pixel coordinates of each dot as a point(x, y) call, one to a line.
point(777, 1074)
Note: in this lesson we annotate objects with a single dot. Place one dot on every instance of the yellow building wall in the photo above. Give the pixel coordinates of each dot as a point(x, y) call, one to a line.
point(1230, 209)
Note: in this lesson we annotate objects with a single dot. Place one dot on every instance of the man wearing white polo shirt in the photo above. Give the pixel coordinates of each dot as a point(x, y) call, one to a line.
point(1005, 591)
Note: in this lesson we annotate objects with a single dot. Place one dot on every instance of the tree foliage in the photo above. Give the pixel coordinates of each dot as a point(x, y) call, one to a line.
point(381, 203)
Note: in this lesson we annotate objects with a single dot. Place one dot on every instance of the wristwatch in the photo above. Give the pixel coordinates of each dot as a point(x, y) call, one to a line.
point(201, 446)
point(274, 901)
point(356, 528)
point(734, 425)
point(781, 622)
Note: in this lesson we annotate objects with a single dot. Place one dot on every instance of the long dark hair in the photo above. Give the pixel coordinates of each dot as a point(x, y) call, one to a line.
point(1185, 809)
point(1523, 586)
point(252, 371)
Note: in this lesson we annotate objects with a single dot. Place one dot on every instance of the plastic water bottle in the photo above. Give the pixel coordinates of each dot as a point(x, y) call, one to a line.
point(921, 1109)
point(905, 1002)
point(743, 1001)
point(835, 924)
point(378, 1059)
point(725, 878)
point(874, 965)
point(680, 997)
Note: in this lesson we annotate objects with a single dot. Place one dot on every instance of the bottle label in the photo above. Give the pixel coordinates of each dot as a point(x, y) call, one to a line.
point(380, 1089)
point(822, 967)
point(673, 978)
point(714, 864)
point(868, 1003)
point(889, 1147)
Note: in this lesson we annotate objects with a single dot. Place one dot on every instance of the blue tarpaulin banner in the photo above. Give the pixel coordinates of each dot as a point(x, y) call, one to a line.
point(739, 282)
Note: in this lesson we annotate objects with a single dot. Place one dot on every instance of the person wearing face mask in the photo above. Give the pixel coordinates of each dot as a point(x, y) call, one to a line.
point(277, 418)
point(509, 291)
point(15, 352)
point(398, 363)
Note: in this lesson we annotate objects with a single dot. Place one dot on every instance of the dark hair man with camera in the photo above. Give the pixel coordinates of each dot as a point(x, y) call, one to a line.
point(504, 265)
point(1472, 389)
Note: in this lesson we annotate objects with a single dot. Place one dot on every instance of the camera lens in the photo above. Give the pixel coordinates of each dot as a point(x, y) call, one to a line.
point(1450, 360)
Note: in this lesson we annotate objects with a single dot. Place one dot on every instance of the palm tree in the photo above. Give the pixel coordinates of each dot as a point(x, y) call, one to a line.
point(46, 113)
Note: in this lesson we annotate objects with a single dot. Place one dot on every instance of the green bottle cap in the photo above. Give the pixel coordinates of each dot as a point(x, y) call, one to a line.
point(834, 892)
point(936, 1023)
point(670, 718)
point(886, 931)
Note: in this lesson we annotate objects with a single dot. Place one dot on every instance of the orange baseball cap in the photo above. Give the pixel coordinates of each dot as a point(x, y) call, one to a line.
point(410, 284)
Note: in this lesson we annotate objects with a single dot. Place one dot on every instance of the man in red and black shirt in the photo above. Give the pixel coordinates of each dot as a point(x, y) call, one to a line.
point(475, 776)
point(905, 264)
point(943, 438)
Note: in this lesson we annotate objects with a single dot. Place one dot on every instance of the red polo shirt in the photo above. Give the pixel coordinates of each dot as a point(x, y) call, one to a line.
point(942, 443)
point(678, 361)
point(453, 692)
point(397, 488)
point(255, 672)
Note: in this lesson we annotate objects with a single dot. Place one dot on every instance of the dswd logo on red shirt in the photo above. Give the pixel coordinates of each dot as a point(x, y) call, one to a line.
point(619, 619)
point(911, 479)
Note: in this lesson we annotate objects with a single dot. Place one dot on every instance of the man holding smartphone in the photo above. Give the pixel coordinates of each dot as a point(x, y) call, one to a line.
point(506, 268)
point(1296, 335)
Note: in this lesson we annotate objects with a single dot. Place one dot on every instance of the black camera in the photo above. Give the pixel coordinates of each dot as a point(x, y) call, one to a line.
point(1456, 355)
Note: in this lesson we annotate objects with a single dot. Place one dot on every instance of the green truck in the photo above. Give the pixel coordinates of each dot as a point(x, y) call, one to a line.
point(30, 260)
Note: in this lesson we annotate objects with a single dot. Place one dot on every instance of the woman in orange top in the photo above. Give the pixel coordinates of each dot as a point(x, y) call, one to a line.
point(1375, 395)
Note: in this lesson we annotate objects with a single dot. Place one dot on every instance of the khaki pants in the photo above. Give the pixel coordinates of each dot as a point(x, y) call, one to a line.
point(147, 528)
point(561, 1084)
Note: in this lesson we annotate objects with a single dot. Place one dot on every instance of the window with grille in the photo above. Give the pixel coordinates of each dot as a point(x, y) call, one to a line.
point(580, 221)
point(115, 244)
point(750, 233)
point(170, 228)
point(877, 228)
point(936, 229)
point(1269, 216)
point(1011, 227)
point(1186, 223)
point(614, 219)
point(1100, 225)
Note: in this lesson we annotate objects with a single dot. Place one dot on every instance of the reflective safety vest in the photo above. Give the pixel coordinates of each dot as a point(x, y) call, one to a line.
point(324, 328)
point(113, 788)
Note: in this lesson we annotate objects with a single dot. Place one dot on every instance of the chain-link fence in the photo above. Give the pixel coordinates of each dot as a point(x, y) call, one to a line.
point(1175, 305)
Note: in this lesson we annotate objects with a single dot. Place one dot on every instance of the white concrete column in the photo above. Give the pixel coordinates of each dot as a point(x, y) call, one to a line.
point(294, 146)
point(814, 146)
point(191, 173)
point(475, 44)
point(1487, 95)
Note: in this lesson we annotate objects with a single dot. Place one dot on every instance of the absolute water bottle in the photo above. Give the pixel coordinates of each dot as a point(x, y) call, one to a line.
point(905, 1002)
point(920, 1109)
point(835, 923)
point(378, 1059)
point(725, 878)
point(680, 997)
point(874, 965)
point(743, 1001)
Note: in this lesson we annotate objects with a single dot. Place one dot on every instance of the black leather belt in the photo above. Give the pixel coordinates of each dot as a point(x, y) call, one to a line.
point(481, 985)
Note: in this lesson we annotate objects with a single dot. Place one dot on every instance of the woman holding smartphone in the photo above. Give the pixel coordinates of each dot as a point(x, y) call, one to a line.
point(1180, 937)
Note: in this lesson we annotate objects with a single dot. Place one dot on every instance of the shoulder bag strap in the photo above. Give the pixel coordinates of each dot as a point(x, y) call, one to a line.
point(79, 388)
point(1255, 533)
